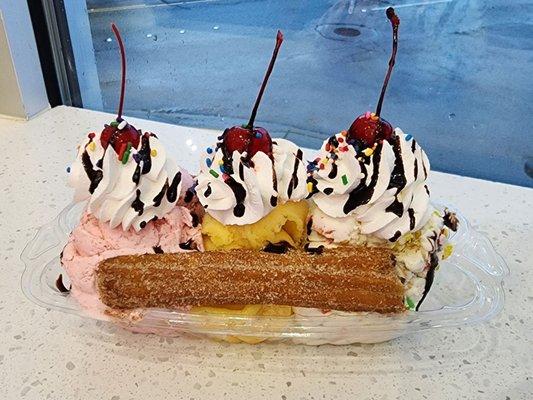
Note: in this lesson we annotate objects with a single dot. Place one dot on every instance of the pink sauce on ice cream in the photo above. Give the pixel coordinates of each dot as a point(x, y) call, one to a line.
point(93, 241)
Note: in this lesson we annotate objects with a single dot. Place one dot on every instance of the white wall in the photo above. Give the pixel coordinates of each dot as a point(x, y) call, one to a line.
point(22, 90)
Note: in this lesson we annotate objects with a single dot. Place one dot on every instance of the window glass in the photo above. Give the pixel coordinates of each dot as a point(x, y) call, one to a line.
point(462, 85)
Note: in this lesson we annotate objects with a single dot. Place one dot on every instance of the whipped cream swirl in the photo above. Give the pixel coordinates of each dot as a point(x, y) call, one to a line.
point(142, 186)
point(384, 187)
point(237, 191)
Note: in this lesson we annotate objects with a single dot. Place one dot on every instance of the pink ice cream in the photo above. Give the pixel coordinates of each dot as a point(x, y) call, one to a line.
point(93, 241)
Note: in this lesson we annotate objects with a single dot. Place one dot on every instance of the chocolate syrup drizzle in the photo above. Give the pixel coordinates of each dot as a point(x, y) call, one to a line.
point(450, 220)
point(314, 189)
point(309, 226)
point(293, 183)
point(172, 192)
point(430, 276)
point(274, 198)
point(195, 219)
point(189, 195)
point(277, 248)
point(60, 285)
point(363, 193)
point(240, 195)
point(397, 179)
point(188, 245)
point(396, 236)
point(136, 177)
point(396, 208)
point(412, 220)
point(208, 191)
point(94, 175)
point(137, 204)
point(144, 158)
point(333, 173)
point(237, 188)
point(314, 250)
point(159, 197)
point(145, 153)
point(241, 170)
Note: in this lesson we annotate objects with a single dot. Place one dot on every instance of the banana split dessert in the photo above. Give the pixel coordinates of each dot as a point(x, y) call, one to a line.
point(259, 231)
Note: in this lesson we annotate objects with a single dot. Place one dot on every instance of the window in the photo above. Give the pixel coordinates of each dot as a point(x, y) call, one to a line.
point(462, 84)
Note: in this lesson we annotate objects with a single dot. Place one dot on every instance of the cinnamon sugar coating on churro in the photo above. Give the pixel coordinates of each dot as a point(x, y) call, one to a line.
point(346, 278)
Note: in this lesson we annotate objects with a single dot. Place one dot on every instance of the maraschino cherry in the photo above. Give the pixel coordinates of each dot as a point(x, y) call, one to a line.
point(248, 138)
point(119, 133)
point(370, 127)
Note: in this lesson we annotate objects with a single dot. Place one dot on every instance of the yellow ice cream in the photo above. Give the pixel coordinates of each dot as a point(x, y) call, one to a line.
point(248, 311)
point(285, 223)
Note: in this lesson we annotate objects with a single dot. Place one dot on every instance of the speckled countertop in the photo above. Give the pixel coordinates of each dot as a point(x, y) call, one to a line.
point(46, 354)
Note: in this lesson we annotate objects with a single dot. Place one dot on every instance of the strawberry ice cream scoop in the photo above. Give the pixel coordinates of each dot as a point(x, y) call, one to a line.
point(93, 241)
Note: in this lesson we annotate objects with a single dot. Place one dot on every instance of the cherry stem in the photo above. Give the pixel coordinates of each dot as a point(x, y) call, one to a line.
point(279, 40)
point(395, 22)
point(123, 72)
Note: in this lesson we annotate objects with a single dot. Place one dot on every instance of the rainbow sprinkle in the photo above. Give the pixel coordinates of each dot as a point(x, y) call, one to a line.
point(153, 153)
point(214, 173)
point(209, 150)
point(126, 154)
point(408, 137)
point(208, 162)
point(410, 303)
point(92, 146)
point(309, 187)
point(344, 180)
point(368, 151)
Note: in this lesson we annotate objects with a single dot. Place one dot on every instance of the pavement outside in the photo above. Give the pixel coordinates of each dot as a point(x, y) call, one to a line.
point(462, 83)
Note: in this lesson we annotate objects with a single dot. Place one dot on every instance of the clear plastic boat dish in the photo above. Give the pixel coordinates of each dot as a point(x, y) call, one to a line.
point(467, 290)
